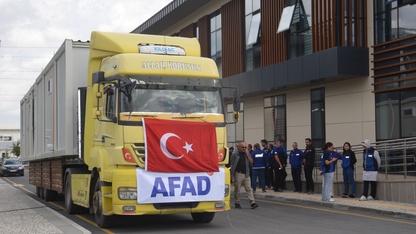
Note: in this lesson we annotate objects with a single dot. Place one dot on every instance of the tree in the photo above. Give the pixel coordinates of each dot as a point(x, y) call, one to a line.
point(16, 149)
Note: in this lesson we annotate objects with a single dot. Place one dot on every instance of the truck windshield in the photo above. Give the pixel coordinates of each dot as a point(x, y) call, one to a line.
point(184, 99)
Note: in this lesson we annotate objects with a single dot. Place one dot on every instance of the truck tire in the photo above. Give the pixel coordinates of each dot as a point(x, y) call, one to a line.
point(42, 193)
point(103, 221)
point(205, 217)
point(38, 191)
point(71, 208)
point(50, 195)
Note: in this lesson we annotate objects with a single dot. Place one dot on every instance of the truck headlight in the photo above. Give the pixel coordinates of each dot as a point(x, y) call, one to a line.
point(125, 193)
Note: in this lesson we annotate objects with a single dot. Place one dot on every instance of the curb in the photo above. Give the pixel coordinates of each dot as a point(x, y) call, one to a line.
point(338, 205)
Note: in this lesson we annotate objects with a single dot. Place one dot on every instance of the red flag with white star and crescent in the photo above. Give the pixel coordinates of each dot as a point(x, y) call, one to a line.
point(180, 146)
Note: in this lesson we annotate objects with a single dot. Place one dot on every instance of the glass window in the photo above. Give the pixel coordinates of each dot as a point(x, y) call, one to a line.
point(394, 19)
point(300, 33)
point(408, 113)
point(216, 39)
point(387, 115)
point(110, 107)
point(286, 18)
point(318, 117)
point(253, 32)
point(275, 118)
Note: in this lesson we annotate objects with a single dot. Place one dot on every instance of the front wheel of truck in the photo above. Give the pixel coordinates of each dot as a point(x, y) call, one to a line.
point(102, 220)
point(205, 217)
point(69, 204)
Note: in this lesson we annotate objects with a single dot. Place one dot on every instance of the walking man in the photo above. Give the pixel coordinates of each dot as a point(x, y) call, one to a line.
point(240, 174)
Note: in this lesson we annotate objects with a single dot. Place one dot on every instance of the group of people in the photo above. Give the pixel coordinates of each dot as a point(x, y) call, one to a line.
point(371, 164)
point(268, 166)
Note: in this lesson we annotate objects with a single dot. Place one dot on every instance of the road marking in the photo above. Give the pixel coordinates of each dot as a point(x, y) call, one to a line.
point(84, 219)
point(19, 185)
point(338, 212)
point(60, 207)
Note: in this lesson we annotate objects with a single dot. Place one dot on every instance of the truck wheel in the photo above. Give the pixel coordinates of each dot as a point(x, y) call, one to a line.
point(42, 193)
point(50, 195)
point(102, 220)
point(38, 191)
point(71, 208)
point(205, 217)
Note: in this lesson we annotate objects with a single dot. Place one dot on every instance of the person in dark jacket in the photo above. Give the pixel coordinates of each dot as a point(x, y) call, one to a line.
point(279, 166)
point(295, 160)
point(240, 174)
point(259, 167)
point(348, 162)
point(268, 171)
point(309, 164)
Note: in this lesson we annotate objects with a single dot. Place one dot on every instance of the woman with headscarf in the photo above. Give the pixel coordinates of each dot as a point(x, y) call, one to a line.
point(371, 163)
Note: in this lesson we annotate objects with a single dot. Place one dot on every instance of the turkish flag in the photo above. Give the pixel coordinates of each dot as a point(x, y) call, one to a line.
point(180, 146)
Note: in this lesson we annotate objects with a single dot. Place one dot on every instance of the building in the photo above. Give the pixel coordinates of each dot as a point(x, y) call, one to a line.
point(332, 70)
point(8, 137)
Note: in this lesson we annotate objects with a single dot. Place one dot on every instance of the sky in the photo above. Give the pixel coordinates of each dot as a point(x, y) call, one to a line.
point(31, 31)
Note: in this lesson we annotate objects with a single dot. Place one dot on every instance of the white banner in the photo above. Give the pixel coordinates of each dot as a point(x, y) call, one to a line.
point(158, 187)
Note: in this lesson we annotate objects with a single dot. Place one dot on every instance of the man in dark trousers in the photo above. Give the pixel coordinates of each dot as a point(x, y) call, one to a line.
point(295, 159)
point(309, 164)
point(269, 169)
point(279, 166)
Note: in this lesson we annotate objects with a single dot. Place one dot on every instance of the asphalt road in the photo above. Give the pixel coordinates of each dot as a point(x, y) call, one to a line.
point(270, 217)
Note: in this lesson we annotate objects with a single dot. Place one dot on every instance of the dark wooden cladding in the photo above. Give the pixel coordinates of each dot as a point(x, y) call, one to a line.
point(394, 65)
point(188, 31)
point(232, 15)
point(273, 44)
point(56, 176)
point(338, 23)
point(46, 175)
point(203, 24)
point(323, 24)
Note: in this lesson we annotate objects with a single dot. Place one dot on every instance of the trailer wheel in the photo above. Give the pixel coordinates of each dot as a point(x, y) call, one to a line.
point(102, 220)
point(42, 193)
point(38, 191)
point(50, 195)
point(205, 217)
point(71, 208)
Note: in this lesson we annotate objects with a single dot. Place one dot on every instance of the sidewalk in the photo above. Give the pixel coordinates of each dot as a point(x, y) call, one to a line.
point(395, 209)
point(19, 213)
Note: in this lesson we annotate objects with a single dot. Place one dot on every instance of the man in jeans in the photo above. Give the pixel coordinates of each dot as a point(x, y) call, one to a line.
point(240, 174)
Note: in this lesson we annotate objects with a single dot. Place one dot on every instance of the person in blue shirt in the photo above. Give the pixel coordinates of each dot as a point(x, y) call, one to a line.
point(348, 162)
point(259, 167)
point(295, 160)
point(328, 161)
point(269, 171)
point(279, 166)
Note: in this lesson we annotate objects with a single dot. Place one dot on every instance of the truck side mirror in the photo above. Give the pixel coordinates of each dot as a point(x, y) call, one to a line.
point(236, 101)
point(236, 116)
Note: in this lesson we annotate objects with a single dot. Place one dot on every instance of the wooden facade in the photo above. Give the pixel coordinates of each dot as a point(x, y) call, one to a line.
point(232, 15)
point(395, 65)
point(273, 44)
point(203, 24)
point(339, 23)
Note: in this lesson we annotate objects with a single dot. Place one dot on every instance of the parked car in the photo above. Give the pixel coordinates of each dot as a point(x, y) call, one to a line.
point(11, 167)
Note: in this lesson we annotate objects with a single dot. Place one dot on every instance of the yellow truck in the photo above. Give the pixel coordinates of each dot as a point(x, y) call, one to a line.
point(129, 124)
